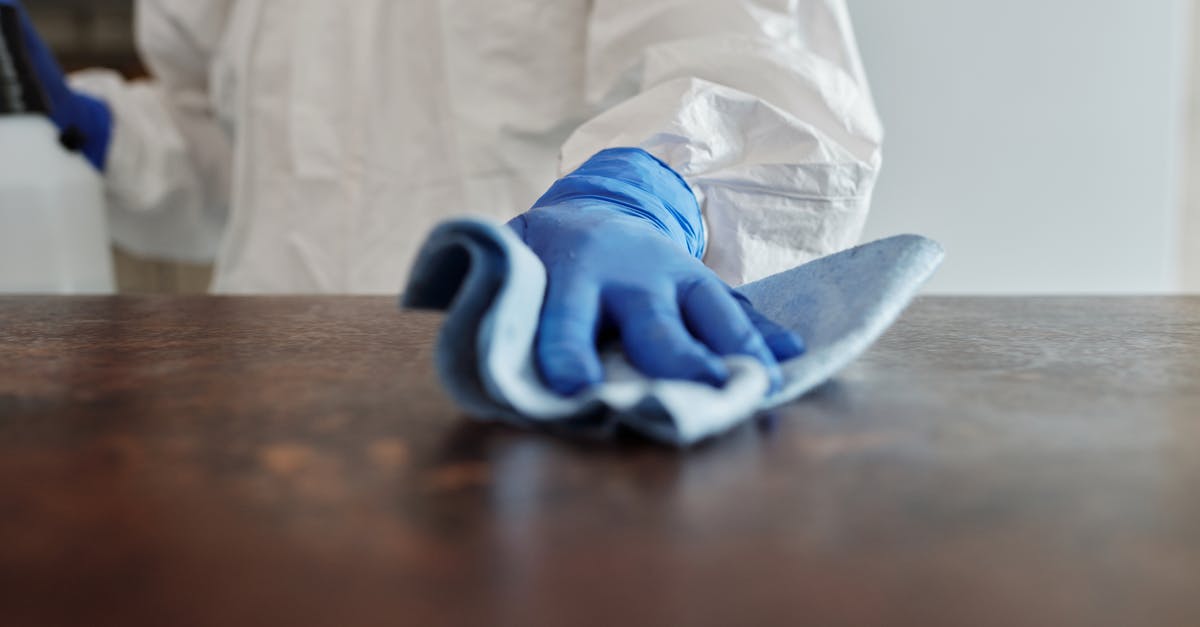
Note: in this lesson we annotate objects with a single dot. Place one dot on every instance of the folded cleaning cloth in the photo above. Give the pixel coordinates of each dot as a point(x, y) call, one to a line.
point(491, 286)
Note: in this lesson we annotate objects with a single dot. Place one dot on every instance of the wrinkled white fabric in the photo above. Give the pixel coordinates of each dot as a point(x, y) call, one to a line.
point(311, 145)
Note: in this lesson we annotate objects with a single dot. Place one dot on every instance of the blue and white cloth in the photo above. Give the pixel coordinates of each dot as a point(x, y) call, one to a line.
point(491, 287)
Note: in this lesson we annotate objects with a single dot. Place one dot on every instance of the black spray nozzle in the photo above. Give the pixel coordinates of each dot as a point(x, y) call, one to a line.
point(20, 90)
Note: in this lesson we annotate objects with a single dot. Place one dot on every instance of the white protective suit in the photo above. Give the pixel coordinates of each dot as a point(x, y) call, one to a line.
point(310, 145)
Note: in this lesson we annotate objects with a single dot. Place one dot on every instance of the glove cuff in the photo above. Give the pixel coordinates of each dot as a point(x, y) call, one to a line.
point(636, 183)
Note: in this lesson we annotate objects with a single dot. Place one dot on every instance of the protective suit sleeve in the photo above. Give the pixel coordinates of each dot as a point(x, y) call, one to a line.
point(763, 107)
point(168, 169)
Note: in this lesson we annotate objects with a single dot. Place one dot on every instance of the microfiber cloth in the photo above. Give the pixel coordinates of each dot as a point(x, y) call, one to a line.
point(491, 286)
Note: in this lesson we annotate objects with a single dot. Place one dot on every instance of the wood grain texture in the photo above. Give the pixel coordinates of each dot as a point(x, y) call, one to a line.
point(227, 461)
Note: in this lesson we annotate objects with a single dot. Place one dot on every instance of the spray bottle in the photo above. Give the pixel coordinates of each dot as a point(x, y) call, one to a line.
point(53, 225)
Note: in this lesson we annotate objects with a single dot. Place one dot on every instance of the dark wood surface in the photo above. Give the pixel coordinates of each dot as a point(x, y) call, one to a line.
point(206, 461)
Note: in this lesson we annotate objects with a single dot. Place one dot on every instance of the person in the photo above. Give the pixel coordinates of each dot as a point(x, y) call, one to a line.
point(310, 145)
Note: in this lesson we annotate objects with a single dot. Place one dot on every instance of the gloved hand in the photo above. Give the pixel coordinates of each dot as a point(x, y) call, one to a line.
point(622, 242)
point(85, 122)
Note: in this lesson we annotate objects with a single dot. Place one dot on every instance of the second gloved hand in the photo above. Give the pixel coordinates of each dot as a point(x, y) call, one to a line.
point(85, 122)
point(622, 242)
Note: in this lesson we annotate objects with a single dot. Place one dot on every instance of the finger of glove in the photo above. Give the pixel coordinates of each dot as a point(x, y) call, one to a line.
point(657, 342)
point(718, 320)
point(566, 338)
point(784, 343)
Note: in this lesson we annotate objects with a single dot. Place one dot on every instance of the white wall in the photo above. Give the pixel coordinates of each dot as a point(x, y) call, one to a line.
point(1190, 227)
point(1039, 140)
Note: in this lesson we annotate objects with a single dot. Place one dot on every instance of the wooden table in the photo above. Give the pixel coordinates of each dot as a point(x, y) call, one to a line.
point(207, 461)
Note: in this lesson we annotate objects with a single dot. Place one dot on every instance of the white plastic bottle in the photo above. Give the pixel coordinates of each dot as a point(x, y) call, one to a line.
point(53, 224)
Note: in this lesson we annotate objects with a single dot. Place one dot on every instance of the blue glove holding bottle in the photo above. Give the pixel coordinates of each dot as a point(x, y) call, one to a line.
point(85, 122)
point(622, 240)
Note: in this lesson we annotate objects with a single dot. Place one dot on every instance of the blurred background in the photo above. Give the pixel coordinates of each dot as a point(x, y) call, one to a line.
point(1042, 141)
point(1047, 143)
point(90, 33)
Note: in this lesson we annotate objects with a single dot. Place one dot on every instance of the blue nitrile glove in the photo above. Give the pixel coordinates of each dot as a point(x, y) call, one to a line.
point(622, 241)
point(85, 122)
